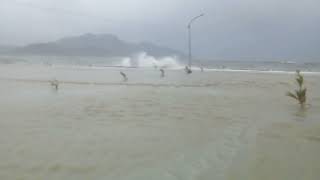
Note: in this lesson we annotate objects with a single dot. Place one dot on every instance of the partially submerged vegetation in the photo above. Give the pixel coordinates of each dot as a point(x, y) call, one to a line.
point(299, 94)
point(124, 76)
point(162, 73)
point(55, 83)
point(188, 70)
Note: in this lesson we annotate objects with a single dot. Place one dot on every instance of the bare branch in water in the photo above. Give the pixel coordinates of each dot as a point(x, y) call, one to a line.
point(124, 76)
point(162, 73)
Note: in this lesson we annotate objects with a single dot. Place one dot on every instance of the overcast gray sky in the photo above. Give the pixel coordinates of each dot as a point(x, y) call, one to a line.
point(234, 29)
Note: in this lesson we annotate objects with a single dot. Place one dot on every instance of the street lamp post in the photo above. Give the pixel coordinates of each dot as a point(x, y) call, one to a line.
point(189, 39)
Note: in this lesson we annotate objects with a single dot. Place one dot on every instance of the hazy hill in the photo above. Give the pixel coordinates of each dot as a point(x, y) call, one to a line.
point(5, 49)
point(94, 45)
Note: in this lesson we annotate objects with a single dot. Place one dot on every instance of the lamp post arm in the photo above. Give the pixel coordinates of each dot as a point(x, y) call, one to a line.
point(193, 19)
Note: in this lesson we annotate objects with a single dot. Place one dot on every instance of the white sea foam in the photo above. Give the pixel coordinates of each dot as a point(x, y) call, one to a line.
point(143, 60)
point(259, 71)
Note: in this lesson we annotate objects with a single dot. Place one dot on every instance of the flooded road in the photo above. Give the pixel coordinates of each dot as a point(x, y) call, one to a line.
point(212, 125)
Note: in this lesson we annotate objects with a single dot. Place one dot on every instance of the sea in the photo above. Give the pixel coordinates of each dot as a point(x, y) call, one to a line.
point(143, 60)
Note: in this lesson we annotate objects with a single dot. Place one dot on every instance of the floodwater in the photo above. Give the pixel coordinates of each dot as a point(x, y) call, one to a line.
point(203, 126)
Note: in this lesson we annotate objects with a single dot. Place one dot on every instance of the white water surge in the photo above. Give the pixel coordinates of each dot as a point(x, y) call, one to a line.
point(145, 61)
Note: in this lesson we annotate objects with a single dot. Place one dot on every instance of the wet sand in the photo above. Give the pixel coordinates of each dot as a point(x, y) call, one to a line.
point(212, 125)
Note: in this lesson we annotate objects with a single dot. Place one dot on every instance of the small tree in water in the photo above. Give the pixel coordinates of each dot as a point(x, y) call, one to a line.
point(299, 94)
point(55, 84)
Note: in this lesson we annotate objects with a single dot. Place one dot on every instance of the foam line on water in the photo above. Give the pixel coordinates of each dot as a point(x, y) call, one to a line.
point(260, 71)
point(178, 68)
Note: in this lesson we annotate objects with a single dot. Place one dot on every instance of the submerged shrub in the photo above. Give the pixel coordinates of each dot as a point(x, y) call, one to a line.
point(299, 94)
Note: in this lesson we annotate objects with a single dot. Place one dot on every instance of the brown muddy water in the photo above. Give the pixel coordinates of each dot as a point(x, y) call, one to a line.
point(211, 125)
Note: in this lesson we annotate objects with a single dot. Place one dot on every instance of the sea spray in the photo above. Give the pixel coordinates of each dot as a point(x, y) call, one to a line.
point(126, 62)
point(146, 61)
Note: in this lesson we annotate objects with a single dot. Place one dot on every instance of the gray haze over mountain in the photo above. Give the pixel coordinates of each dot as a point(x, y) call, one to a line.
point(242, 29)
point(105, 45)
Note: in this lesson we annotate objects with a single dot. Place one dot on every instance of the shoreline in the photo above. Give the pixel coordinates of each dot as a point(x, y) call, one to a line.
point(195, 68)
